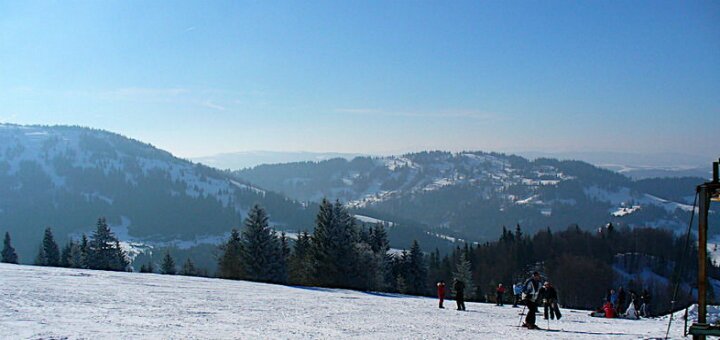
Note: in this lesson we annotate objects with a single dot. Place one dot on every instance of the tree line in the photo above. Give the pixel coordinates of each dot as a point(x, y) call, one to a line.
point(342, 253)
point(101, 251)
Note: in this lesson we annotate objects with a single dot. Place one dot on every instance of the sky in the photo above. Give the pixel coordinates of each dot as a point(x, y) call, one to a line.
point(376, 77)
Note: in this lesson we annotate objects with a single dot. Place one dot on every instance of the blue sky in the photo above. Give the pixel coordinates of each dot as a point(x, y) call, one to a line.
point(199, 78)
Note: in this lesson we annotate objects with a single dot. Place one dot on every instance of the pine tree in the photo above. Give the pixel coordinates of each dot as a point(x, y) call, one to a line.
point(261, 249)
point(148, 267)
point(379, 239)
point(380, 246)
point(8, 253)
point(333, 246)
point(464, 274)
point(300, 265)
point(49, 254)
point(283, 274)
point(188, 268)
point(104, 251)
point(66, 254)
point(230, 262)
point(401, 285)
point(168, 265)
point(78, 254)
point(417, 271)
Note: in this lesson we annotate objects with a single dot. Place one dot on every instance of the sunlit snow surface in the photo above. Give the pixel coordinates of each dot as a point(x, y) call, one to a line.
point(38, 302)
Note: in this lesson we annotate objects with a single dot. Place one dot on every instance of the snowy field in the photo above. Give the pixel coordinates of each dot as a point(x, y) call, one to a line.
point(52, 303)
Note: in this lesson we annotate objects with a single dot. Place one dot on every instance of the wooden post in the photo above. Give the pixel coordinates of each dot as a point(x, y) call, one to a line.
point(702, 254)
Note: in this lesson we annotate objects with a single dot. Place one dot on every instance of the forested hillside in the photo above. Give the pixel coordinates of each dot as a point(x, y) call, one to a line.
point(473, 194)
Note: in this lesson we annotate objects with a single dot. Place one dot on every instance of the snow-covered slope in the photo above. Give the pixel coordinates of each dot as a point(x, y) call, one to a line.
point(58, 303)
point(66, 177)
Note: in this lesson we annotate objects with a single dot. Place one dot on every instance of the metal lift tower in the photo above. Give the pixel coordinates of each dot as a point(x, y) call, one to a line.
point(707, 192)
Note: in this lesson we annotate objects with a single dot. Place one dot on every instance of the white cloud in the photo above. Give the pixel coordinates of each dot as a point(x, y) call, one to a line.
point(214, 106)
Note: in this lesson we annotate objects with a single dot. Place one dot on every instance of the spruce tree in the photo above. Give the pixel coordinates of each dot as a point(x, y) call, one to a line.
point(104, 251)
point(283, 274)
point(148, 267)
point(464, 274)
point(261, 249)
point(379, 239)
point(78, 253)
point(49, 253)
point(188, 268)
point(66, 254)
point(417, 271)
point(230, 262)
point(168, 264)
point(333, 246)
point(300, 265)
point(8, 253)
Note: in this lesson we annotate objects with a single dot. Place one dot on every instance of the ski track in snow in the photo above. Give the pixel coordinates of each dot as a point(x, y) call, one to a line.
point(41, 302)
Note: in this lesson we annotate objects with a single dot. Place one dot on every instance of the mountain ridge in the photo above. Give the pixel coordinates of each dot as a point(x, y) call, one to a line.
point(475, 193)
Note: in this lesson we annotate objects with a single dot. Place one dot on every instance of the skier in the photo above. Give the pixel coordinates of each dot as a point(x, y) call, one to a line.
point(531, 288)
point(621, 299)
point(634, 300)
point(441, 292)
point(645, 306)
point(517, 291)
point(459, 288)
point(548, 294)
point(499, 295)
point(631, 312)
point(613, 298)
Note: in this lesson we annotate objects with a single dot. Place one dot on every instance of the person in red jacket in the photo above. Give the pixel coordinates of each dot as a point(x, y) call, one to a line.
point(609, 310)
point(441, 292)
point(500, 291)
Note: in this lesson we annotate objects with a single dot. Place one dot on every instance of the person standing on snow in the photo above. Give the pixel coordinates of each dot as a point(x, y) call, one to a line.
point(645, 304)
point(499, 292)
point(621, 299)
point(459, 288)
point(531, 289)
point(613, 298)
point(548, 294)
point(441, 292)
point(517, 291)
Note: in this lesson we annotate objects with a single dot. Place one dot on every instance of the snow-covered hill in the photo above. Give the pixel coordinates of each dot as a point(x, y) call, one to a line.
point(59, 303)
point(66, 177)
point(475, 193)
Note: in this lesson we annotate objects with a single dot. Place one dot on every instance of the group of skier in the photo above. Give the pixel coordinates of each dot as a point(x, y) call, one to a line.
point(614, 304)
point(532, 293)
point(458, 288)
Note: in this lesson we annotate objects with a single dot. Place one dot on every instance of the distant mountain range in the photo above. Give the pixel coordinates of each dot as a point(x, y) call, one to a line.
point(473, 194)
point(249, 159)
point(633, 165)
point(66, 177)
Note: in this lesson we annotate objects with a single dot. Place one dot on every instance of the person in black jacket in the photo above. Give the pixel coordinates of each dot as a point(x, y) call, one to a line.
point(622, 296)
point(548, 296)
point(459, 288)
point(645, 303)
point(531, 290)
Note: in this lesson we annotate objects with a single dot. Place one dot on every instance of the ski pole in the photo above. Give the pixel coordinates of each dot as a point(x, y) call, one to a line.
point(521, 315)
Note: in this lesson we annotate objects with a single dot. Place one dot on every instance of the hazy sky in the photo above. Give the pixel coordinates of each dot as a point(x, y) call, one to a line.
point(199, 78)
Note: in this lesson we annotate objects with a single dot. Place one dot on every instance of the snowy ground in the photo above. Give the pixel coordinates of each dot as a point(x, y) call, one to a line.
point(38, 302)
